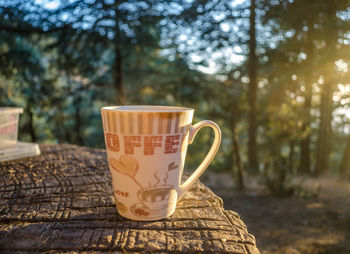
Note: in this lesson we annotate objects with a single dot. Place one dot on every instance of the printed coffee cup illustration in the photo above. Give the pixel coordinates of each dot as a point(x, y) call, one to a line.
point(146, 149)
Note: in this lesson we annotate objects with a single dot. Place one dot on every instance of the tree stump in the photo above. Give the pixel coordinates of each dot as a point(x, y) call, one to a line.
point(63, 200)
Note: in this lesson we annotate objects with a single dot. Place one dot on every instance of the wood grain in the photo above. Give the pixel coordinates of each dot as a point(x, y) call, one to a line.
point(62, 200)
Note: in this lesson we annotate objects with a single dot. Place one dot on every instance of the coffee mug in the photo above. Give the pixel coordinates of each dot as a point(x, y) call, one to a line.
point(146, 149)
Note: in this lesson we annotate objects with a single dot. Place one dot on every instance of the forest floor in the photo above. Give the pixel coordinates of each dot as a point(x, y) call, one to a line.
point(318, 223)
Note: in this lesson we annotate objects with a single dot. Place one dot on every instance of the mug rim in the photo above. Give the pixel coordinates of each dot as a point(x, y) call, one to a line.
point(147, 108)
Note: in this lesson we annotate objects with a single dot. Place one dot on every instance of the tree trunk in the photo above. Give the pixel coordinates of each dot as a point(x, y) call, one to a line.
point(31, 124)
point(76, 103)
point(236, 151)
point(324, 136)
point(291, 156)
point(345, 162)
point(252, 92)
point(325, 130)
point(305, 161)
point(117, 71)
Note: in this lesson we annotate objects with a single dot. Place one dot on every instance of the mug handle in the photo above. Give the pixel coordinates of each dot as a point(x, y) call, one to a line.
point(207, 160)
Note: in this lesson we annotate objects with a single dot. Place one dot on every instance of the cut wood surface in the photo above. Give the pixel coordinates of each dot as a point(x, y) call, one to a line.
point(63, 200)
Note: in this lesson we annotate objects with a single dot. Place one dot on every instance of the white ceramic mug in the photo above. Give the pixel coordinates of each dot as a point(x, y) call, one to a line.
point(146, 149)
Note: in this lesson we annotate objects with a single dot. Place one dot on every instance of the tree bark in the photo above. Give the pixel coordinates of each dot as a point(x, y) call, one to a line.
point(63, 200)
point(252, 92)
point(305, 162)
point(291, 156)
point(324, 136)
point(31, 124)
point(345, 162)
point(117, 71)
point(236, 151)
point(77, 116)
point(326, 107)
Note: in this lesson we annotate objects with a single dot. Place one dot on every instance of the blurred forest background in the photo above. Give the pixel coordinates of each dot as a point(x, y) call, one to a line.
point(274, 74)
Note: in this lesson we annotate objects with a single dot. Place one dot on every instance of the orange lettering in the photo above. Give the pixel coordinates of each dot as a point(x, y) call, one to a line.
point(112, 141)
point(171, 144)
point(150, 143)
point(130, 142)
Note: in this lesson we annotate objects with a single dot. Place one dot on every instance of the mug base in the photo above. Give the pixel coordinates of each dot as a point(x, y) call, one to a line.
point(136, 214)
point(134, 218)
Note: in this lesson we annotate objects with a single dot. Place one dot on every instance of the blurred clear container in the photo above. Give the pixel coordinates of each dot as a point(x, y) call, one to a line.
point(20, 150)
point(9, 126)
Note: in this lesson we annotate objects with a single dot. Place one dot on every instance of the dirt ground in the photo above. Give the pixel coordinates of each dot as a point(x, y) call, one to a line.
point(314, 224)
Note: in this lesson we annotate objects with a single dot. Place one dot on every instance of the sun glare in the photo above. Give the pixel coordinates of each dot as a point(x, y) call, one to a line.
point(342, 66)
